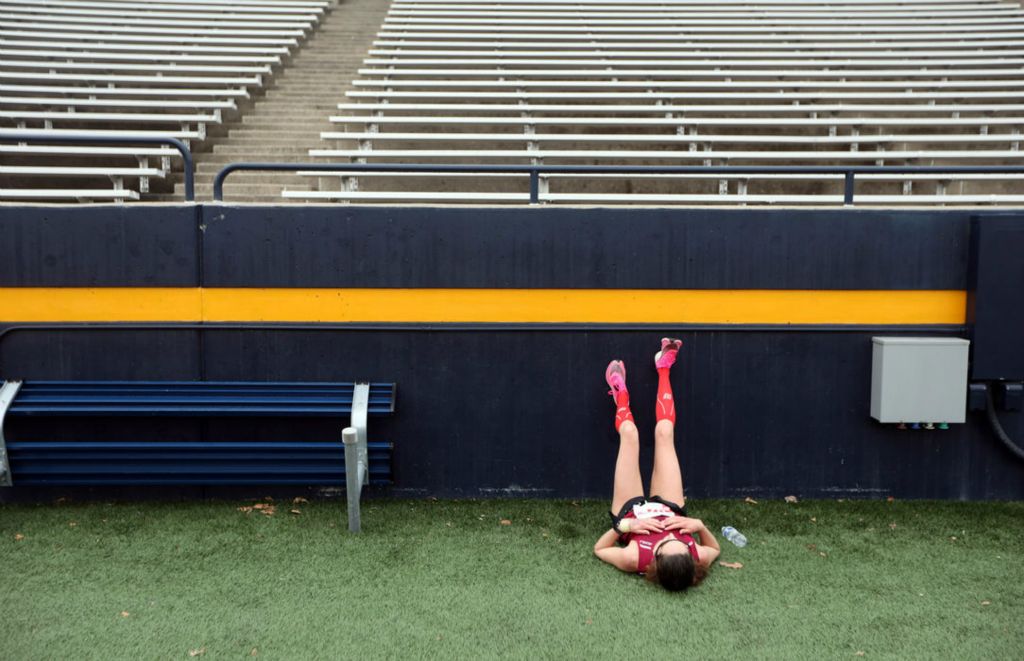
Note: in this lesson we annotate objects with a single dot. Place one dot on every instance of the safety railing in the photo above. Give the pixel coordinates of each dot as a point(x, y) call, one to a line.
point(85, 137)
point(535, 171)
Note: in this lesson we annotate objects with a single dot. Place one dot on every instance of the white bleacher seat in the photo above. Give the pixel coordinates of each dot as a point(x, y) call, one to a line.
point(73, 102)
point(67, 194)
point(116, 175)
point(135, 117)
point(124, 66)
point(96, 56)
point(60, 92)
point(665, 108)
point(846, 82)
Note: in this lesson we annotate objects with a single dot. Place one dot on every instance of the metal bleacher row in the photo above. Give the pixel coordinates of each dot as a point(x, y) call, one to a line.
point(138, 67)
point(685, 82)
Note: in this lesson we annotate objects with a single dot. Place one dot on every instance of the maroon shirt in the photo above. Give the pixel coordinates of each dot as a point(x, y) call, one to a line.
point(647, 542)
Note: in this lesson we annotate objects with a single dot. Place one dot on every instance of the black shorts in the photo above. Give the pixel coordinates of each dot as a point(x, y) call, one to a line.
point(627, 507)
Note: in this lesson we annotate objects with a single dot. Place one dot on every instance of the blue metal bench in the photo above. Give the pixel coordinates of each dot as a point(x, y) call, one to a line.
point(351, 460)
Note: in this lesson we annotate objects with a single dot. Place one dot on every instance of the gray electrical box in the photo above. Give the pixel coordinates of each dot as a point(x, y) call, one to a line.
point(919, 379)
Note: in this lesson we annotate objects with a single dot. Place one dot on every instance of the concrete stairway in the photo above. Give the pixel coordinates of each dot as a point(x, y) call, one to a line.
point(285, 123)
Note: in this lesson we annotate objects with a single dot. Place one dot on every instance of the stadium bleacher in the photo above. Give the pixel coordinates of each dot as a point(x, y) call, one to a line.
point(541, 82)
point(117, 68)
point(737, 82)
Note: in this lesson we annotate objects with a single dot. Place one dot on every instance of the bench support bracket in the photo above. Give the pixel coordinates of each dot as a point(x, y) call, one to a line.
point(360, 413)
point(7, 393)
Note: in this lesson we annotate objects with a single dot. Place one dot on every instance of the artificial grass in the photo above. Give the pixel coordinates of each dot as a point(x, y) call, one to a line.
point(444, 579)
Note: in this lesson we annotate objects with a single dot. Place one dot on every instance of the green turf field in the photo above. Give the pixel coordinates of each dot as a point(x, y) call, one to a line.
point(442, 579)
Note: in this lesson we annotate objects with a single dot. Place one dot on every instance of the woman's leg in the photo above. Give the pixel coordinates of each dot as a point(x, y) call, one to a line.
point(628, 483)
point(667, 477)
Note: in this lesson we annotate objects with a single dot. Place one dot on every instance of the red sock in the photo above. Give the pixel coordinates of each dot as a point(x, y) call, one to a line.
point(622, 412)
point(666, 409)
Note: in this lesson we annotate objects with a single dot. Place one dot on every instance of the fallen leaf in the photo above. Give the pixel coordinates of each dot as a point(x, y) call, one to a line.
point(986, 603)
point(269, 499)
point(891, 499)
point(268, 511)
point(814, 519)
point(750, 501)
point(589, 621)
point(575, 504)
point(298, 500)
point(823, 554)
point(198, 652)
point(812, 547)
point(841, 500)
point(18, 537)
point(892, 526)
point(254, 652)
point(295, 511)
point(790, 499)
point(72, 524)
point(125, 613)
point(732, 565)
point(260, 506)
point(505, 522)
point(448, 523)
point(859, 653)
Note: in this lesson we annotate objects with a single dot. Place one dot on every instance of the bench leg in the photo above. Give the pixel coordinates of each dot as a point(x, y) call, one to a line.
point(355, 471)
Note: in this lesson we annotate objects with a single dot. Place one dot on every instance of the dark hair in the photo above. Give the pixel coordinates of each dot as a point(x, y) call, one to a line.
point(675, 572)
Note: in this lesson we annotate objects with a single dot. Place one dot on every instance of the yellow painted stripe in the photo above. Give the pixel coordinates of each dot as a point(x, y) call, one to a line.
point(483, 305)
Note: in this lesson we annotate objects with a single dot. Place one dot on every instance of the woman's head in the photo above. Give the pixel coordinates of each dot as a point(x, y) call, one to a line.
point(675, 571)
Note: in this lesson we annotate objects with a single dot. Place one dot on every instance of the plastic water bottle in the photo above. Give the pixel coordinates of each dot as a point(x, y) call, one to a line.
point(734, 536)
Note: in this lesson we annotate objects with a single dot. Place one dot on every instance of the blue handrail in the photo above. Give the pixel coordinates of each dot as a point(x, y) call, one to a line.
point(848, 172)
point(85, 137)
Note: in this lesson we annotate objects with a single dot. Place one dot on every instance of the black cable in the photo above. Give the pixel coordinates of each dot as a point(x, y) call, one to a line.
point(997, 426)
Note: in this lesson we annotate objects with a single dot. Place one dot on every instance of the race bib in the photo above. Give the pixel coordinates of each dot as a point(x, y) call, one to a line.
point(651, 510)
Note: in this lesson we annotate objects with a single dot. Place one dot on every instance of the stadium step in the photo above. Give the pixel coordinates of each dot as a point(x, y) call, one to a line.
point(285, 122)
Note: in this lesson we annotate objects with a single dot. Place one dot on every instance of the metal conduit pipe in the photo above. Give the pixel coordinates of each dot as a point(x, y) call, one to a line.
point(534, 171)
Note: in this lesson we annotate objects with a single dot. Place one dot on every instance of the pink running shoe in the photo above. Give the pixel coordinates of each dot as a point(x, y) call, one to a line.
point(615, 375)
point(667, 356)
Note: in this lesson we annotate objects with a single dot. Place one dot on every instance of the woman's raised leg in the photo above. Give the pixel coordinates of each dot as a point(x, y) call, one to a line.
point(628, 483)
point(667, 477)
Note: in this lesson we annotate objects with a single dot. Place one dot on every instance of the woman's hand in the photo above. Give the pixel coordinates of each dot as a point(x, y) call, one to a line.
point(683, 524)
point(644, 526)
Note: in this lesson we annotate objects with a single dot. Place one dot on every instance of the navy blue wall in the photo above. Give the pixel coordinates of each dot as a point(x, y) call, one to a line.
point(525, 412)
point(489, 411)
point(343, 246)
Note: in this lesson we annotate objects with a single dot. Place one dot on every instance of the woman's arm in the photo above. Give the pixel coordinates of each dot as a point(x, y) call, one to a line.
point(607, 540)
point(710, 549)
point(707, 539)
point(619, 558)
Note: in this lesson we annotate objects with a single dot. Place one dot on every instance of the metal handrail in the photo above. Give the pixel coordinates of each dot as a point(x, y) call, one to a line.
point(848, 172)
point(84, 137)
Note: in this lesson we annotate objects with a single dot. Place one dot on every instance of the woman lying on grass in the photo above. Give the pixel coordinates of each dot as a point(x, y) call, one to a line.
point(656, 535)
